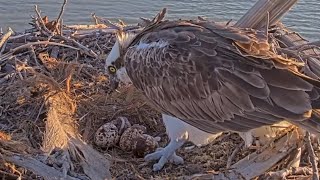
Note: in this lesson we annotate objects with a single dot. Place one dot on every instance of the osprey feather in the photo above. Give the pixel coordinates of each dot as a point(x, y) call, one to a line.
point(214, 77)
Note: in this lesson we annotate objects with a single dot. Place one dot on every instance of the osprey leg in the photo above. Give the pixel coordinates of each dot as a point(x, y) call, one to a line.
point(167, 154)
point(179, 132)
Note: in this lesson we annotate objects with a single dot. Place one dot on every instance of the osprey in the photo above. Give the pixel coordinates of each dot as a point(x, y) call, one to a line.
point(211, 78)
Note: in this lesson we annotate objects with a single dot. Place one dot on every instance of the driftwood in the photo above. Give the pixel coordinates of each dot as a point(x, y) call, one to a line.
point(273, 9)
point(5, 37)
point(36, 166)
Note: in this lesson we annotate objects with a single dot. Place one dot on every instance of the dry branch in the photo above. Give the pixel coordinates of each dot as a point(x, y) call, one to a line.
point(59, 20)
point(30, 44)
point(313, 158)
point(42, 25)
point(36, 166)
point(86, 50)
point(235, 151)
point(5, 37)
point(254, 18)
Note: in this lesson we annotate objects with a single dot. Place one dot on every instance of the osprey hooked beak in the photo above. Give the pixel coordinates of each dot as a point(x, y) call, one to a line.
point(114, 83)
point(110, 66)
point(114, 64)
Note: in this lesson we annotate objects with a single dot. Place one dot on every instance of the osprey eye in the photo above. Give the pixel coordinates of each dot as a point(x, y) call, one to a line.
point(112, 69)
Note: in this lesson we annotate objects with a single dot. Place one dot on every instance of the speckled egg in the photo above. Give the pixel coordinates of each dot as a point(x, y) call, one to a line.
point(144, 144)
point(122, 124)
point(107, 136)
point(126, 140)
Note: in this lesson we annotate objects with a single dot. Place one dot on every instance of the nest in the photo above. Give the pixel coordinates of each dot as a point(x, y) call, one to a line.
point(54, 95)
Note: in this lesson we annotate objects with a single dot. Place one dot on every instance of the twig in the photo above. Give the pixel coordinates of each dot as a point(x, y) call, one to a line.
point(4, 175)
point(61, 26)
point(312, 156)
point(60, 16)
point(95, 19)
point(282, 174)
point(315, 43)
point(40, 110)
point(47, 32)
point(69, 70)
point(235, 151)
point(108, 23)
point(5, 37)
point(3, 47)
point(86, 50)
point(34, 56)
point(7, 77)
point(5, 56)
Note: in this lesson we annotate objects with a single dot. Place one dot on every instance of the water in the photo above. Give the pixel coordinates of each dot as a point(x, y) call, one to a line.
point(304, 17)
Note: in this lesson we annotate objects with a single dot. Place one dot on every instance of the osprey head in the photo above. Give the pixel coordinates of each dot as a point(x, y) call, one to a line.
point(114, 64)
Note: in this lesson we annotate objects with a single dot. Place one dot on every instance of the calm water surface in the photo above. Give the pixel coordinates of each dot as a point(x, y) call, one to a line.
point(304, 17)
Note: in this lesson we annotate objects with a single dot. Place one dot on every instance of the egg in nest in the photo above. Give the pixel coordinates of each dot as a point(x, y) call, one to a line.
point(129, 138)
point(108, 135)
point(134, 139)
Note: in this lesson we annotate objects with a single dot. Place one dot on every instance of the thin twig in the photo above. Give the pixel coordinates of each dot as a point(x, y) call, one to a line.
point(69, 70)
point(95, 19)
point(235, 151)
point(8, 54)
point(315, 43)
point(7, 77)
point(312, 156)
point(34, 56)
point(40, 110)
point(61, 26)
point(4, 175)
point(60, 16)
point(47, 32)
point(282, 174)
point(108, 22)
point(86, 50)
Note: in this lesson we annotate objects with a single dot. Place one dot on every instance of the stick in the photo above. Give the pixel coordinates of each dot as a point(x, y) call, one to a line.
point(60, 16)
point(282, 174)
point(47, 32)
point(312, 156)
point(5, 56)
point(37, 167)
point(86, 50)
point(3, 47)
point(5, 37)
point(315, 43)
point(254, 18)
point(7, 77)
point(236, 150)
point(95, 19)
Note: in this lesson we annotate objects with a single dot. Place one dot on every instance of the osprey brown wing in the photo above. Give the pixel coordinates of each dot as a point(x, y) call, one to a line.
point(218, 78)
